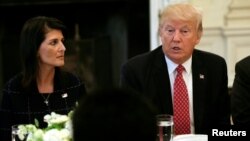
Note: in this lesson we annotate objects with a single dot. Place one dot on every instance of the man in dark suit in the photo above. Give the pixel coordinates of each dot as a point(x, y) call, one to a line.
point(240, 96)
point(153, 73)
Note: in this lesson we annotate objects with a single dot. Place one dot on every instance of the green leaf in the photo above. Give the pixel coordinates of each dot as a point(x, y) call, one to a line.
point(36, 122)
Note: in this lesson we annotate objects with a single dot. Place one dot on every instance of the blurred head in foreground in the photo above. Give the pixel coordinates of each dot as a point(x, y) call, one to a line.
point(114, 114)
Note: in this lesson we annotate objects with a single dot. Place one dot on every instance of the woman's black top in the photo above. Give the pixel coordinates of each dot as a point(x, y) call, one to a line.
point(23, 106)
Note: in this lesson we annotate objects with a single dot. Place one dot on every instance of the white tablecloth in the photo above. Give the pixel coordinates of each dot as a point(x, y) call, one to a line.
point(191, 137)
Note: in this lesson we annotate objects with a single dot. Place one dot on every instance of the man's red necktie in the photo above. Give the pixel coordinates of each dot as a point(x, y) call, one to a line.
point(181, 104)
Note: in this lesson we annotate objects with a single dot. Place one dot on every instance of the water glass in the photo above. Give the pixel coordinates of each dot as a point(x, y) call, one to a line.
point(165, 127)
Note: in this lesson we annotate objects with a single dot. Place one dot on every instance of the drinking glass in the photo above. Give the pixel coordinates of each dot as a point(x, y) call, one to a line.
point(165, 127)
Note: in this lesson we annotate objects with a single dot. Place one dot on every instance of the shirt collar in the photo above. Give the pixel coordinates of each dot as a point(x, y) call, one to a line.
point(172, 66)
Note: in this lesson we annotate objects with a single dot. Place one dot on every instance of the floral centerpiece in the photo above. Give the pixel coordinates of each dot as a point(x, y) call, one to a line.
point(59, 129)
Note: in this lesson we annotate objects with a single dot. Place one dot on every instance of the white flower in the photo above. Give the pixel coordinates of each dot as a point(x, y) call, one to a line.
point(22, 132)
point(57, 135)
point(36, 135)
point(59, 129)
point(54, 118)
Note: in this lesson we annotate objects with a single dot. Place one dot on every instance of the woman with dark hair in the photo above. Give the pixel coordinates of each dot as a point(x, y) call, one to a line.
point(41, 87)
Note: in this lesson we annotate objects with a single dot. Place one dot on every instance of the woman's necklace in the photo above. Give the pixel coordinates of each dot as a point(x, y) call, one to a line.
point(46, 99)
point(45, 93)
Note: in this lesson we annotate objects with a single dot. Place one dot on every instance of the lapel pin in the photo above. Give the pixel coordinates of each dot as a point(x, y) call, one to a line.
point(202, 76)
point(64, 95)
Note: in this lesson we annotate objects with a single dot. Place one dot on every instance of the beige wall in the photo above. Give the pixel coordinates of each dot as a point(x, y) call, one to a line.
point(226, 30)
point(213, 11)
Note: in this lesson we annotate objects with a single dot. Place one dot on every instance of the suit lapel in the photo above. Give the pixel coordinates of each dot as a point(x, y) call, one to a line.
point(162, 83)
point(199, 89)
